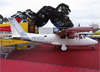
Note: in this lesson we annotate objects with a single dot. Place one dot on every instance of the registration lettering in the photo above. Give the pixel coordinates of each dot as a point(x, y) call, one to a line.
point(37, 38)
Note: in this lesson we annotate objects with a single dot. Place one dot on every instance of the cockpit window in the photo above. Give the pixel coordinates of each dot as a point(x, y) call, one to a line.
point(81, 36)
point(84, 36)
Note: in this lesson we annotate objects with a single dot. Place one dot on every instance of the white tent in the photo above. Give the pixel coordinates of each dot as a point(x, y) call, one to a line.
point(49, 24)
point(47, 28)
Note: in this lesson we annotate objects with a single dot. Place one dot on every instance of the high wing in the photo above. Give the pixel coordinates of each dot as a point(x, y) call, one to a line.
point(73, 32)
point(80, 29)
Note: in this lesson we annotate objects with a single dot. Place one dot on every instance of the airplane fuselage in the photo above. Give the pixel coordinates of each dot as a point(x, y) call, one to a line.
point(56, 40)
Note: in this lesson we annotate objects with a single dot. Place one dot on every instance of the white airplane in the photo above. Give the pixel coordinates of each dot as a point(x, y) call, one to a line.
point(68, 37)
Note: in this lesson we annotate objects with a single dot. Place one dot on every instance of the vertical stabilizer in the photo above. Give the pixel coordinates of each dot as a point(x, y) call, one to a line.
point(16, 29)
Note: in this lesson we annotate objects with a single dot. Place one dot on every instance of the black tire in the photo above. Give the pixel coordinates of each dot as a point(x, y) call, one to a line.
point(93, 48)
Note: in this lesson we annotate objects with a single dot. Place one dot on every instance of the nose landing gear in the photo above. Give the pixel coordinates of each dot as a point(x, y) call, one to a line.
point(93, 47)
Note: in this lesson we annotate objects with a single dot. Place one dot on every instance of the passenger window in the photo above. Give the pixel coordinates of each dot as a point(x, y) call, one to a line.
point(45, 36)
point(9, 35)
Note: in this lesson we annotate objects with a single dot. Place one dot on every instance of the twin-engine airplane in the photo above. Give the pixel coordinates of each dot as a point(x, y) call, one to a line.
point(67, 37)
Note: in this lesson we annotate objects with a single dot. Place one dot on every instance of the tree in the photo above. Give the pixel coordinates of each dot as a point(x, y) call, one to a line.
point(58, 16)
point(63, 9)
point(62, 16)
point(43, 15)
point(5, 19)
point(30, 15)
point(1, 19)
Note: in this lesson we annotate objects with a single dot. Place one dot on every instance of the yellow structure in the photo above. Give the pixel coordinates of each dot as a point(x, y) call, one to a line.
point(22, 47)
point(2, 25)
point(19, 43)
point(23, 25)
point(96, 33)
point(6, 42)
point(11, 42)
point(96, 36)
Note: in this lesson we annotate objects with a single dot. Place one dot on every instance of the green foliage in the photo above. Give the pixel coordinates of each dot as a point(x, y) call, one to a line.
point(1, 19)
point(58, 15)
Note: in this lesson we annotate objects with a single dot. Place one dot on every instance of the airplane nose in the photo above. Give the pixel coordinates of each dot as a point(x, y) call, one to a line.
point(95, 42)
point(91, 41)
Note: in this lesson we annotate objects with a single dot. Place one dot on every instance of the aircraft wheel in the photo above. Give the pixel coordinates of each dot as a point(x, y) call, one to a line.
point(64, 50)
point(93, 48)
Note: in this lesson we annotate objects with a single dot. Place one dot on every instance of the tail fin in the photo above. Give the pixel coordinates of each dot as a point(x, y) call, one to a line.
point(16, 29)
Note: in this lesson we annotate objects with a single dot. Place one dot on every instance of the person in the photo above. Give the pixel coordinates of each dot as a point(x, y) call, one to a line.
point(68, 34)
point(63, 36)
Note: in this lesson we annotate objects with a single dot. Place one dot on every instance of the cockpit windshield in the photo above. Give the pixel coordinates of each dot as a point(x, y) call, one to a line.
point(81, 36)
point(84, 36)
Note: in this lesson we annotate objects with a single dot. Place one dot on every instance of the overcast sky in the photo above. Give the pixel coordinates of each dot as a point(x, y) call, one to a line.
point(84, 12)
